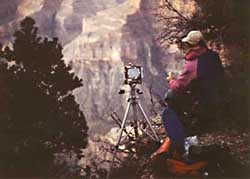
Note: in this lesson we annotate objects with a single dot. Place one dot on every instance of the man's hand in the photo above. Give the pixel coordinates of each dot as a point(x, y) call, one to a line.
point(170, 76)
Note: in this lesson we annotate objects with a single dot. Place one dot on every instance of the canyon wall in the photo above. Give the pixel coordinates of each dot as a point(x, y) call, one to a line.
point(100, 37)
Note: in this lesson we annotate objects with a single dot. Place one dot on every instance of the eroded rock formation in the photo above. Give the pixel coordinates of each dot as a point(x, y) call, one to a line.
point(99, 37)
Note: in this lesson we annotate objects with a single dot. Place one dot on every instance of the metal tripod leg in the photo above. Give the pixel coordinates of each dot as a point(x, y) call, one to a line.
point(123, 124)
point(135, 126)
point(120, 137)
point(148, 121)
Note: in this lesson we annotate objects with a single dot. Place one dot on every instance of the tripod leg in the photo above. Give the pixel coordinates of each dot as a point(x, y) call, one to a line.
point(123, 124)
point(149, 123)
point(135, 120)
point(120, 137)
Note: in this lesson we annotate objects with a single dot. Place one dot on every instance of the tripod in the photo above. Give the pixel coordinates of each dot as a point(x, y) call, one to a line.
point(133, 100)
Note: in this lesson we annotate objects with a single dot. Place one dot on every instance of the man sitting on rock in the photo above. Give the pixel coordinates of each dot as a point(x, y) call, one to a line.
point(202, 68)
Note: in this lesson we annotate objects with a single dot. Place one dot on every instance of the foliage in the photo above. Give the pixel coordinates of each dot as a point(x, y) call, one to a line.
point(39, 116)
point(221, 21)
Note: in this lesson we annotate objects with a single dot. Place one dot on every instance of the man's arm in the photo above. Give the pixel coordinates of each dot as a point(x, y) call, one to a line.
point(183, 80)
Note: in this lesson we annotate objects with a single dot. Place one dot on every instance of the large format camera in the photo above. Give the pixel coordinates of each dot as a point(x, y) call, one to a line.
point(133, 74)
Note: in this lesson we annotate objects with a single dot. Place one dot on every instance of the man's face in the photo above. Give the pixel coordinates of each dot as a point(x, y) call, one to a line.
point(184, 47)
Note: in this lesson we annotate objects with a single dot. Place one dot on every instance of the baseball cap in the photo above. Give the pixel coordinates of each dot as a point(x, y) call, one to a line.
point(193, 37)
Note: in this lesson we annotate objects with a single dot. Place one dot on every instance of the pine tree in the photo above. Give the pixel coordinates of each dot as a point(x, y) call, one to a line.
point(38, 113)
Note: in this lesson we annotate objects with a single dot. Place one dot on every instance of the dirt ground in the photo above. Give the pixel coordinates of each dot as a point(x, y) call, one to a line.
point(238, 143)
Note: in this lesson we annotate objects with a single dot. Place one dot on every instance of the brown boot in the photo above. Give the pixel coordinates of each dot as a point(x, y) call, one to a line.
point(164, 146)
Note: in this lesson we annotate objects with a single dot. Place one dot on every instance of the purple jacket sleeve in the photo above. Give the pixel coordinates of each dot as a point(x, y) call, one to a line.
point(188, 74)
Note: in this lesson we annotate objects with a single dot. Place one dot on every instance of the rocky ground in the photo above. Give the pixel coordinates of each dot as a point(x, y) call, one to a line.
point(133, 158)
point(238, 143)
point(235, 142)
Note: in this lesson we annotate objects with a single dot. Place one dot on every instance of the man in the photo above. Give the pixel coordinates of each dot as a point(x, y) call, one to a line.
point(202, 68)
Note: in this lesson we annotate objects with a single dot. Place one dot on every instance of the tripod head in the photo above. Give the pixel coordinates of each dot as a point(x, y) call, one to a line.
point(133, 89)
